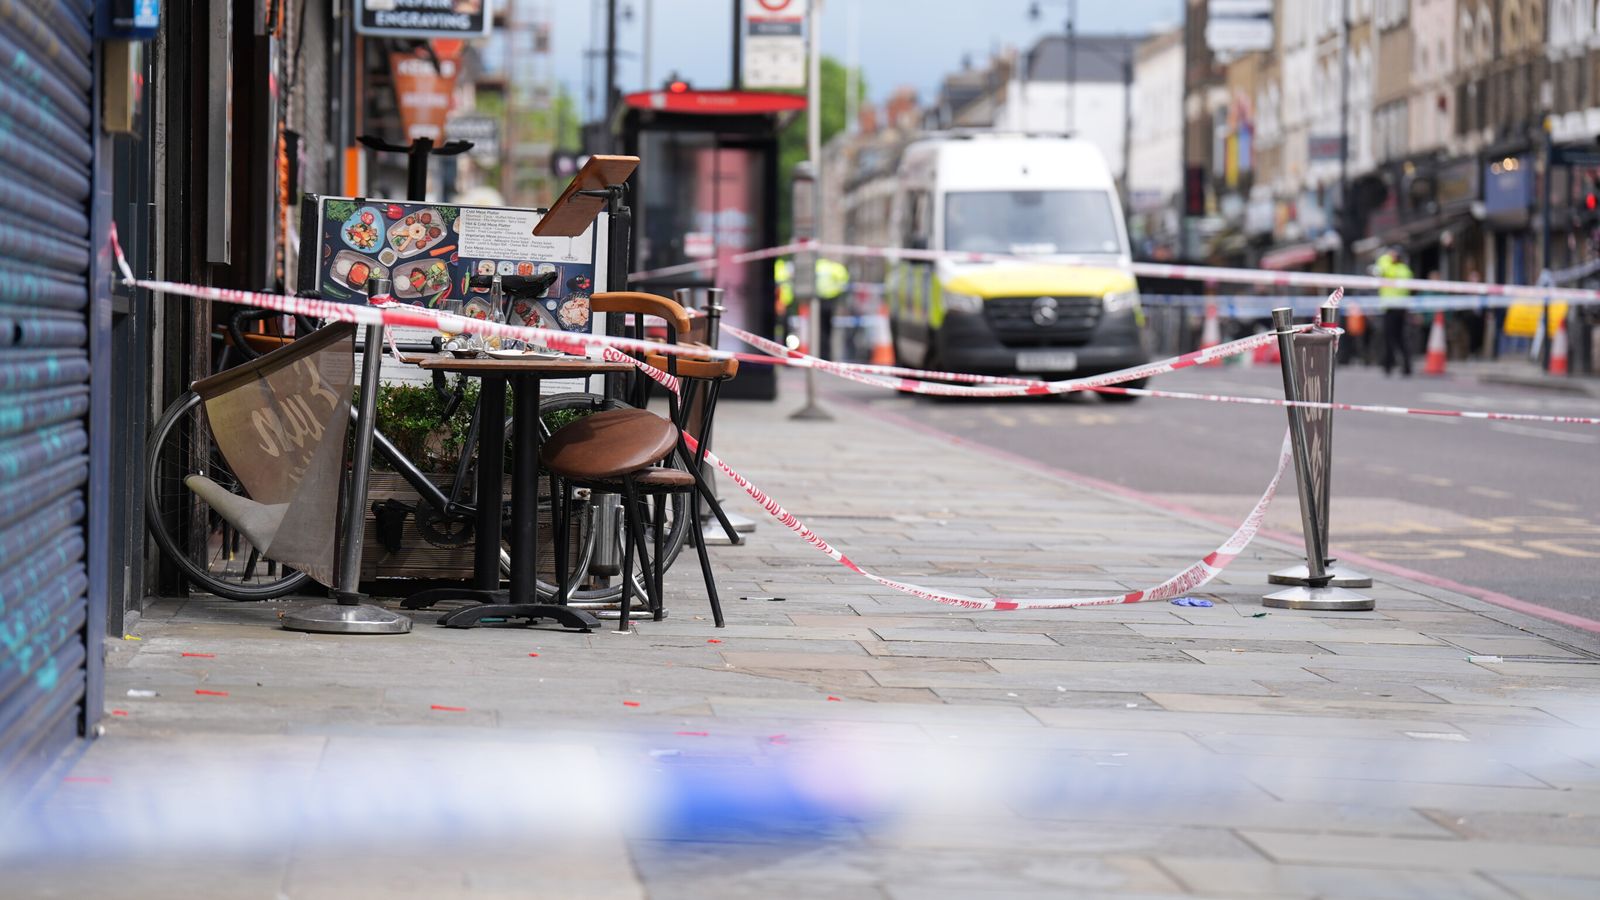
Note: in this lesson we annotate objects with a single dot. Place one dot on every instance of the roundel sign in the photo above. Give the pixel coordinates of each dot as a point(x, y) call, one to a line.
point(774, 44)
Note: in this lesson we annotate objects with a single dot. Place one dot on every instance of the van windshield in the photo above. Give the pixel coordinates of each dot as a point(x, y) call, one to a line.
point(1030, 222)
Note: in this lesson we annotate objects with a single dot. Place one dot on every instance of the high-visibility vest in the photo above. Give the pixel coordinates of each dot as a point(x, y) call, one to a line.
point(1389, 267)
point(833, 279)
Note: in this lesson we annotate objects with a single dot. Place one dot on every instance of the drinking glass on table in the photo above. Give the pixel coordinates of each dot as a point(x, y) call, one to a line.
point(451, 306)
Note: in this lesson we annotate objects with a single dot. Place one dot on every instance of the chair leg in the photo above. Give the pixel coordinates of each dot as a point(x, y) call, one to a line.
point(705, 561)
point(560, 519)
point(659, 609)
point(632, 514)
point(627, 558)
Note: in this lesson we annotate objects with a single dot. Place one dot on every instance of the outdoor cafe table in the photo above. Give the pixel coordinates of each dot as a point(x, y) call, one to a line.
point(522, 601)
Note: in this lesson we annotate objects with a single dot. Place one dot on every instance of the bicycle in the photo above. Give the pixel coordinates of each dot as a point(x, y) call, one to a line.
point(216, 559)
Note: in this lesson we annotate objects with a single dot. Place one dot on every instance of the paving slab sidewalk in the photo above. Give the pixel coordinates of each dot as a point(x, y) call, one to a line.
point(850, 741)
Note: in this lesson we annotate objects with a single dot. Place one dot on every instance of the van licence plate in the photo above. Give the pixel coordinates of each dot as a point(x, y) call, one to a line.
point(1046, 361)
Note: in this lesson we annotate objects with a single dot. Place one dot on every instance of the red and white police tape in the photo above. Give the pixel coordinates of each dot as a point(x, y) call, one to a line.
point(1192, 577)
point(889, 377)
point(1206, 274)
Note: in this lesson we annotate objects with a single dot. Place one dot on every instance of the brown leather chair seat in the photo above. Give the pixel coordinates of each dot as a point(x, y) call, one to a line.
point(657, 479)
point(608, 445)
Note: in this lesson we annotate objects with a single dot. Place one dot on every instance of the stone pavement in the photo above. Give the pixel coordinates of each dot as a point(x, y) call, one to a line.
point(847, 741)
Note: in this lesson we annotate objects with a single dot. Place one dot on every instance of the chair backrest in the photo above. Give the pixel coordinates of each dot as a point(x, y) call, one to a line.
point(642, 304)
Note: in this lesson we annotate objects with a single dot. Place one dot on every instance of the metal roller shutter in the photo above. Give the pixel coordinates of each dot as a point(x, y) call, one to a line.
point(46, 162)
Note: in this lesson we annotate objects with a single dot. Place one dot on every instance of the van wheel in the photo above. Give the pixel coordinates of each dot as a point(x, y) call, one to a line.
point(1124, 398)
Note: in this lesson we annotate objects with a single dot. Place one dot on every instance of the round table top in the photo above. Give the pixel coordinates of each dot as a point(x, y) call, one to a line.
point(534, 365)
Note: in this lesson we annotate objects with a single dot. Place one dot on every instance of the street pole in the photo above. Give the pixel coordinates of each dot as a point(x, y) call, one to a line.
point(808, 260)
point(648, 34)
point(1072, 65)
point(1544, 241)
point(738, 45)
point(611, 67)
point(1127, 129)
point(1344, 137)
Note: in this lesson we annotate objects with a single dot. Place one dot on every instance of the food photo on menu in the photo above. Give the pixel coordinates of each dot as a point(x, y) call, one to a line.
point(429, 252)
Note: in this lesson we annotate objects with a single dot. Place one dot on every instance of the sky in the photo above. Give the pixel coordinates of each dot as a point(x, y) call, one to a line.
point(901, 42)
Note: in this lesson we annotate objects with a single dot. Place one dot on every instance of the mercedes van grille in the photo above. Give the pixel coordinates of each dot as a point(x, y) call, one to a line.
point(1038, 322)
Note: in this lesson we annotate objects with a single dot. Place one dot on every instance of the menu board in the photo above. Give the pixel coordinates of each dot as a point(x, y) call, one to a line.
point(430, 251)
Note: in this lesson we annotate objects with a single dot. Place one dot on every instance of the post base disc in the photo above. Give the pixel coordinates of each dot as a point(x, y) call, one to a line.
point(1324, 598)
point(336, 618)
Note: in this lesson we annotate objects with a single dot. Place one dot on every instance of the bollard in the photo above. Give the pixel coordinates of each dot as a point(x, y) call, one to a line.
point(1317, 369)
point(1317, 592)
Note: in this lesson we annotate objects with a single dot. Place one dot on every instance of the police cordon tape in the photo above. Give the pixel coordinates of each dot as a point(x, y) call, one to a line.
point(898, 378)
point(1207, 274)
point(1191, 578)
point(1194, 576)
point(994, 386)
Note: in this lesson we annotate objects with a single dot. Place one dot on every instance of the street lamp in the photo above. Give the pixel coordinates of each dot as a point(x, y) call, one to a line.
point(1036, 13)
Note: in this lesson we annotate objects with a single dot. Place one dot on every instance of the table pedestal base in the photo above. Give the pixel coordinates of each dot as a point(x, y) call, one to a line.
point(565, 615)
point(427, 598)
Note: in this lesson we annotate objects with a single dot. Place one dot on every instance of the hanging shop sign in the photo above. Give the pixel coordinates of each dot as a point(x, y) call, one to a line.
point(424, 88)
point(1238, 26)
point(482, 131)
point(424, 18)
point(774, 44)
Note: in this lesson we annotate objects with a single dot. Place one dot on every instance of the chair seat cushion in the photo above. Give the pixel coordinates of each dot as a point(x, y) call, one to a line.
point(662, 477)
point(609, 444)
point(689, 367)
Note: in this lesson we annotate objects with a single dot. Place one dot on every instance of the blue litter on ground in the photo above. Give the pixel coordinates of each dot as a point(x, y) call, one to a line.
point(1191, 601)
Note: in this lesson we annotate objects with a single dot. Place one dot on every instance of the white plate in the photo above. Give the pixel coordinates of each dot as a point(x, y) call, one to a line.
point(525, 354)
point(1046, 361)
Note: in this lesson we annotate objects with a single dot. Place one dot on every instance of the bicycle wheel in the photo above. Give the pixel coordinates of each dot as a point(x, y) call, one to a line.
point(599, 548)
point(214, 557)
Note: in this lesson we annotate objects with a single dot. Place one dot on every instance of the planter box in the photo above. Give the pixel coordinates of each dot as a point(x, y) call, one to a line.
point(417, 558)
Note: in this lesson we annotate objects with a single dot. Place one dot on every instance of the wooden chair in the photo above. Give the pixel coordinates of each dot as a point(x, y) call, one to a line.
point(621, 451)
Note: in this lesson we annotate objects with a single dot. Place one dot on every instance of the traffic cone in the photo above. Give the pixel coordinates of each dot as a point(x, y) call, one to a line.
point(1211, 332)
point(1558, 350)
point(882, 344)
point(1434, 364)
point(1355, 321)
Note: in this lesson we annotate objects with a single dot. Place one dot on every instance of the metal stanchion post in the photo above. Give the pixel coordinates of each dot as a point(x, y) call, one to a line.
point(1320, 438)
point(811, 410)
point(1317, 593)
point(711, 530)
point(349, 615)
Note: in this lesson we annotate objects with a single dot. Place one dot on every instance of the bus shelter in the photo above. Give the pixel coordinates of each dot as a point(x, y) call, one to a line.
point(707, 190)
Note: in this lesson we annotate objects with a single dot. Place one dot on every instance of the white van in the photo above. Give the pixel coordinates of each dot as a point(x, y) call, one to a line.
point(1069, 307)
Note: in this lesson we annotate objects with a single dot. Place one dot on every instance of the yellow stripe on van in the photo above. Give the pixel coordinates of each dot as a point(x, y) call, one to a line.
point(1040, 280)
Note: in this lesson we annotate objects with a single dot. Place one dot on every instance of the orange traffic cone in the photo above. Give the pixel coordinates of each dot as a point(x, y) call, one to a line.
point(883, 343)
point(1558, 350)
point(1211, 332)
point(1434, 364)
point(1355, 321)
